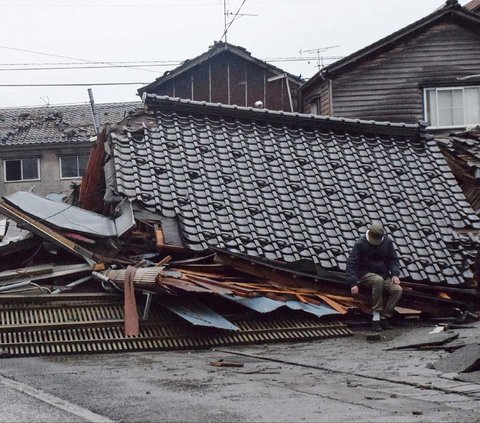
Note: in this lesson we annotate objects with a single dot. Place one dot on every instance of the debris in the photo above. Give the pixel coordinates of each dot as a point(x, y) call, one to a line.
point(463, 360)
point(374, 337)
point(417, 340)
point(221, 363)
point(438, 329)
point(3, 228)
point(473, 377)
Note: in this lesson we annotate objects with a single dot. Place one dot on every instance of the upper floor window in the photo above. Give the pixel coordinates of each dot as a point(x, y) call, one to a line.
point(452, 107)
point(315, 107)
point(21, 170)
point(72, 166)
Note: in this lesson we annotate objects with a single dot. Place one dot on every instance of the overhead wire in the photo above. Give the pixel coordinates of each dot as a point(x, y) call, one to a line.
point(102, 65)
point(74, 84)
point(60, 56)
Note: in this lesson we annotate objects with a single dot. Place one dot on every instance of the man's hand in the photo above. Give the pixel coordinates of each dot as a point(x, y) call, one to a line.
point(354, 290)
point(396, 280)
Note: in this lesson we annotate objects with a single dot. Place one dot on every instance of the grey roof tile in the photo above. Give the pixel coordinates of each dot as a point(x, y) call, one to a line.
point(53, 124)
point(288, 187)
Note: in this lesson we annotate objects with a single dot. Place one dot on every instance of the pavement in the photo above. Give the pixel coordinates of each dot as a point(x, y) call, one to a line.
point(331, 380)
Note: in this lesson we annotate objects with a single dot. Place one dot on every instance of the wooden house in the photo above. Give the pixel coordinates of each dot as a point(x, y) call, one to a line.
point(474, 6)
point(229, 74)
point(429, 70)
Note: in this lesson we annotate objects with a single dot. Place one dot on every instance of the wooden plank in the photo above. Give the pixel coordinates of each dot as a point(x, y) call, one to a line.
point(40, 269)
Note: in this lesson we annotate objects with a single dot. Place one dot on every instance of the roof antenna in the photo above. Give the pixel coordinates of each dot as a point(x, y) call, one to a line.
point(320, 63)
point(236, 15)
point(47, 101)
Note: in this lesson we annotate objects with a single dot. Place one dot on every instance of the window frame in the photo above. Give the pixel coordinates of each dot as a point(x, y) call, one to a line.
point(38, 178)
point(447, 88)
point(78, 166)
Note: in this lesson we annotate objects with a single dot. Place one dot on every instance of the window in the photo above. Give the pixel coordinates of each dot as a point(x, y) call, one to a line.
point(21, 170)
point(452, 107)
point(72, 166)
point(315, 107)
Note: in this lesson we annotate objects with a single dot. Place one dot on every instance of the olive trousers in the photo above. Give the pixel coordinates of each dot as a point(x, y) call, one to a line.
point(382, 288)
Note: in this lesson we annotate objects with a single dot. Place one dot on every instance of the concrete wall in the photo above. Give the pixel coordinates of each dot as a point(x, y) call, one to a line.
point(50, 181)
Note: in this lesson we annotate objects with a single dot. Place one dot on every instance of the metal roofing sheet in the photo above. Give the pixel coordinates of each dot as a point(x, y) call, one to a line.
point(259, 304)
point(267, 305)
point(66, 216)
point(196, 313)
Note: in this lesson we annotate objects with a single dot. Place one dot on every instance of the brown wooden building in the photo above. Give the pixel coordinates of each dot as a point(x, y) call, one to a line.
point(474, 6)
point(429, 70)
point(230, 75)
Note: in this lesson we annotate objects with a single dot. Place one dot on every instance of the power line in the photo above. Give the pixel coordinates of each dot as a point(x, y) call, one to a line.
point(139, 62)
point(58, 55)
point(165, 64)
point(74, 84)
point(86, 67)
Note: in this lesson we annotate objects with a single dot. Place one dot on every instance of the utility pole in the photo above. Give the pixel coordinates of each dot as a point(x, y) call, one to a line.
point(96, 123)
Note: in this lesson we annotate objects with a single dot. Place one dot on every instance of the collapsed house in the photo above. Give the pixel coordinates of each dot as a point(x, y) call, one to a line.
point(462, 152)
point(217, 210)
point(295, 190)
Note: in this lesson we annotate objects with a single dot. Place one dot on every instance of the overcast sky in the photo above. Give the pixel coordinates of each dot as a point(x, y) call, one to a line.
point(75, 32)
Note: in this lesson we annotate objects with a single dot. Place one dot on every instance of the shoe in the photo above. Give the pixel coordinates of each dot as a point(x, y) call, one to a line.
point(385, 324)
point(376, 326)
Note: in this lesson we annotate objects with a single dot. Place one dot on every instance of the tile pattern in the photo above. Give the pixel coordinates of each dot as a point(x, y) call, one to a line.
point(238, 179)
point(52, 124)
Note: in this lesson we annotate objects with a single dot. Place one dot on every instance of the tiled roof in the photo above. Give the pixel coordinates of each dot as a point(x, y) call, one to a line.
point(52, 124)
point(291, 187)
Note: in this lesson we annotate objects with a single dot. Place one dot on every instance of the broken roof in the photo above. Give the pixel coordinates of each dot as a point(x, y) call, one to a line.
point(294, 188)
point(54, 124)
point(462, 151)
point(451, 10)
point(217, 48)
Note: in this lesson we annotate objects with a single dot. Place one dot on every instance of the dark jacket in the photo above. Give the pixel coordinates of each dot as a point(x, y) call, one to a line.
point(367, 258)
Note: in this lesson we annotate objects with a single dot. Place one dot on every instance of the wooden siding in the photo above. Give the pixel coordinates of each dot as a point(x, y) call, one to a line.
point(390, 86)
point(320, 92)
point(229, 79)
point(219, 82)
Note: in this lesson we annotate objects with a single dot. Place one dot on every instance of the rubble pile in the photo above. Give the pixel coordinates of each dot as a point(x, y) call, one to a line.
point(65, 250)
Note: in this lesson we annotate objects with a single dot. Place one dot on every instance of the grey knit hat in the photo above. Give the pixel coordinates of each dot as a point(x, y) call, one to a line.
point(375, 234)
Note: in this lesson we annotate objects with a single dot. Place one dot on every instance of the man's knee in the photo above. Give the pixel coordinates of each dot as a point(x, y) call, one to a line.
point(377, 280)
point(396, 288)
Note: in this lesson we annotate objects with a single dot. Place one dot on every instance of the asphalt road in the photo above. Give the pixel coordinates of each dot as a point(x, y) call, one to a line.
point(333, 380)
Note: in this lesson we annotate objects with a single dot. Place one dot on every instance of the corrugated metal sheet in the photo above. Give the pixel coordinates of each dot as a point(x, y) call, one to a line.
point(196, 313)
point(267, 305)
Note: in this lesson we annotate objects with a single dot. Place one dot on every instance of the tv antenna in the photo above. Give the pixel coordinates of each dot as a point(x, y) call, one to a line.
point(320, 63)
point(226, 14)
point(46, 100)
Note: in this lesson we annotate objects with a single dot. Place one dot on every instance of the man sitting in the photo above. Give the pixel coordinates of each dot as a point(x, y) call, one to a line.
point(373, 263)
